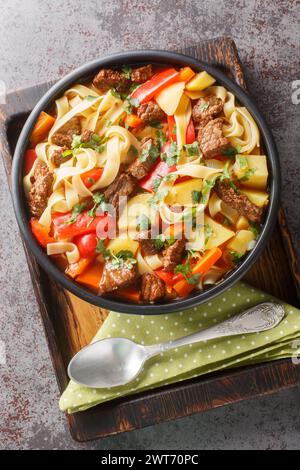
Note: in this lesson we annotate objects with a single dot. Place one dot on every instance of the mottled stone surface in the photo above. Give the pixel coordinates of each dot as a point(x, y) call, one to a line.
point(42, 40)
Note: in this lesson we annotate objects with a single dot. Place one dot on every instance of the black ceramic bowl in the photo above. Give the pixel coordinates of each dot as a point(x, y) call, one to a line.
point(84, 74)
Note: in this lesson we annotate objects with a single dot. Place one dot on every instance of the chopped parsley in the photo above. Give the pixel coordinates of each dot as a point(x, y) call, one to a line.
point(149, 153)
point(115, 93)
point(99, 201)
point(242, 161)
point(208, 231)
point(101, 249)
point(232, 151)
point(248, 173)
point(171, 157)
point(123, 258)
point(158, 197)
point(131, 103)
point(96, 143)
point(161, 137)
point(206, 188)
point(156, 124)
point(142, 222)
point(127, 71)
point(192, 149)
point(156, 183)
point(77, 209)
point(90, 97)
point(133, 150)
point(170, 177)
point(196, 197)
point(67, 153)
point(186, 271)
point(236, 257)
point(204, 106)
point(253, 228)
point(159, 241)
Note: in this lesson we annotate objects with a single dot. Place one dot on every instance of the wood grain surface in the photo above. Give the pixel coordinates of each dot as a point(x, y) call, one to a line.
point(70, 323)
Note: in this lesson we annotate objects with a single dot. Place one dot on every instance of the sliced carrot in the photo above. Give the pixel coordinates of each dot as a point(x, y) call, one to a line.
point(40, 232)
point(89, 178)
point(132, 120)
point(75, 269)
point(186, 74)
point(183, 288)
point(41, 127)
point(29, 159)
point(129, 293)
point(91, 277)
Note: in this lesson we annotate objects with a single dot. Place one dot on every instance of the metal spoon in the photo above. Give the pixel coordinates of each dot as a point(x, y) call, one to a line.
point(116, 361)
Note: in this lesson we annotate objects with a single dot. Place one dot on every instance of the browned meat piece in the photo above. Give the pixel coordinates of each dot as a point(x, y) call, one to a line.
point(86, 135)
point(114, 277)
point(123, 185)
point(145, 161)
point(173, 255)
point(153, 288)
point(150, 112)
point(142, 74)
point(207, 108)
point(57, 157)
point(109, 78)
point(41, 189)
point(211, 138)
point(147, 245)
point(64, 135)
point(240, 202)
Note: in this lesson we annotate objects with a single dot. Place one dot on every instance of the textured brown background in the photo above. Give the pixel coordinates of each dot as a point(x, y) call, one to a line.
point(42, 40)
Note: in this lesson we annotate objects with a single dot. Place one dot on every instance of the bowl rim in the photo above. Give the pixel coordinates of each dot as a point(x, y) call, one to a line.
point(82, 74)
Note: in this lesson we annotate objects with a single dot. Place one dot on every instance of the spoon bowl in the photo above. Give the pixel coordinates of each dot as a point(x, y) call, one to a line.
point(110, 362)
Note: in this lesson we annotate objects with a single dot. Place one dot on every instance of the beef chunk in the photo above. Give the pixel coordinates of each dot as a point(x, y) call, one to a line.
point(109, 78)
point(123, 185)
point(150, 112)
point(64, 135)
point(153, 288)
point(145, 161)
point(173, 255)
point(41, 189)
point(146, 244)
point(114, 277)
point(142, 74)
point(57, 157)
point(86, 135)
point(207, 108)
point(211, 138)
point(239, 202)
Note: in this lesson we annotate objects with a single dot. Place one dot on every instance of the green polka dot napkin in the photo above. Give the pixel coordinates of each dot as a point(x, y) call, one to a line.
point(193, 360)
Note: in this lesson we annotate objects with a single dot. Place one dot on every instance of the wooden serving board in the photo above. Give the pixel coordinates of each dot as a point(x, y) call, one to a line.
point(70, 323)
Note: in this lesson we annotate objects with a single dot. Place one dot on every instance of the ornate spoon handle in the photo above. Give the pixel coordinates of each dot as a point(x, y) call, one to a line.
point(259, 318)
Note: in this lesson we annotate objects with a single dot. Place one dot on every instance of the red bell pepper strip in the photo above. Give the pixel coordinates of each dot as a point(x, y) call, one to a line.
point(40, 232)
point(153, 86)
point(91, 177)
point(29, 159)
point(167, 277)
point(172, 128)
point(190, 133)
point(83, 224)
point(161, 169)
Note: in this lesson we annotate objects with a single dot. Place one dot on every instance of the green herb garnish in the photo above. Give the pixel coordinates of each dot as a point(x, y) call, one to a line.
point(242, 161)
point(133, 150)
point(99, 201)
point(253, 228)
point(171, 157)
point(204, 106)
point(131, 103)
point(161, 138)
point(208, 231)
point(236, 257)
point(248, 173)
point(206, 188)
point(91, 97)
point(158, 197)
point(77, 209)
point(123, 257)
point(96, 143)
point(156, 183)
point(127, 71)
point(192, 149)
point(101, 249)
point(143, 222)
point(67, 153)
point(186, 271)
point(232, 151)
point(149, 153)
point(196, 197)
